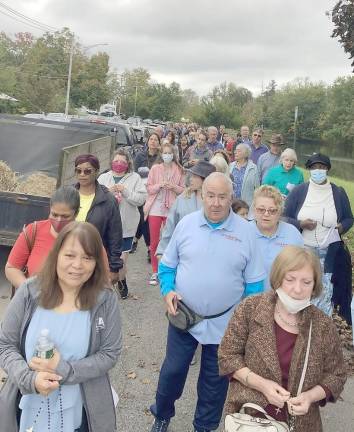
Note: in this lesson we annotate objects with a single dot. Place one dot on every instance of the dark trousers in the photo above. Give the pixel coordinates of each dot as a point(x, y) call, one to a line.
point(212, 388)
point(143, 228)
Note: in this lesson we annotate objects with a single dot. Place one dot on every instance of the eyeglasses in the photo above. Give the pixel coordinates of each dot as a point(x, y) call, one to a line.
point(257, 135)
point(262, 211)
point(85, 171)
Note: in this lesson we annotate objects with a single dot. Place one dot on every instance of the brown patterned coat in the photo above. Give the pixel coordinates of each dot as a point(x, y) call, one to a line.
point(250, 341)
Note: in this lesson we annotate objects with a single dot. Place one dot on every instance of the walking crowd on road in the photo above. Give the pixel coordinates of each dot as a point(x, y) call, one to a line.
point(249, 259)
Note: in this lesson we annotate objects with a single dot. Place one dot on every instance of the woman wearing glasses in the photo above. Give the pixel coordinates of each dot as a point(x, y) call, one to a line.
point(99, 207)
point(272, 234)
point(321, 210)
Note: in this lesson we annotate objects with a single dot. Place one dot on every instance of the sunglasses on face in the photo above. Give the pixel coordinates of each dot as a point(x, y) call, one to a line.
point(262, 211)
point(85, 171)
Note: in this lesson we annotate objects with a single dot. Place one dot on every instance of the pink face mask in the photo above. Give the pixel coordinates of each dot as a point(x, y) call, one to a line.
point(119, 166)
point(58, 225)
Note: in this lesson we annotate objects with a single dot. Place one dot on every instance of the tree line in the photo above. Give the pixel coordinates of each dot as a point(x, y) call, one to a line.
point(35, 72)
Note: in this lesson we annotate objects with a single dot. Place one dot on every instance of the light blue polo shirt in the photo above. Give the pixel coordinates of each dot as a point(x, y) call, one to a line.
point(270, 247)
point(212, 267)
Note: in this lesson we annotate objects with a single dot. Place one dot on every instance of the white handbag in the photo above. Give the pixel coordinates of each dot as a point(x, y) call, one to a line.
point(242, 422)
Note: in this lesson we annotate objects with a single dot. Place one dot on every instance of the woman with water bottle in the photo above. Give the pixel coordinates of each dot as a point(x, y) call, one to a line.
point(59, 338)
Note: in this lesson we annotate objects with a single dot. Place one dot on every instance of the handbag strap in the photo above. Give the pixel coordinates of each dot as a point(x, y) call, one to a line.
point(301, 383)
point(30, 241)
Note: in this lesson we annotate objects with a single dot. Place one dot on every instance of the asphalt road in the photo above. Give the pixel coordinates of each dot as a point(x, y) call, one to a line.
point(135, 377)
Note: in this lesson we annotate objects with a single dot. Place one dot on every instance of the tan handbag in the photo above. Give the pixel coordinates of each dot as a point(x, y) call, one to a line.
point(242, 422)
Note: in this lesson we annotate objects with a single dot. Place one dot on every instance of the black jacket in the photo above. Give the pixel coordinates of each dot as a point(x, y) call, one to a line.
point(105, 216)
point(143, 159)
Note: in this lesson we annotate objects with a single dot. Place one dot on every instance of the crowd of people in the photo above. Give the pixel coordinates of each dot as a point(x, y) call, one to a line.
point(245, 254)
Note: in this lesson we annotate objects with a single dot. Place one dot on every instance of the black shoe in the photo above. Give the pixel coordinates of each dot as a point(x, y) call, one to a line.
point(134, 247)
point(160, 425)
point(149, 256)
point(122, 288)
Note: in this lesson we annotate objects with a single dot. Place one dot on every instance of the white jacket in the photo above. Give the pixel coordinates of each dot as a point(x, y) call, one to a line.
point(134, 195)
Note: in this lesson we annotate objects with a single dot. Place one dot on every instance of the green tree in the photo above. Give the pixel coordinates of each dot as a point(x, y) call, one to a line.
point(343, 20)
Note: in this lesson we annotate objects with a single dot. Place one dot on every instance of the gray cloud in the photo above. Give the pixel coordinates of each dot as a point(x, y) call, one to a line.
point(201, 43)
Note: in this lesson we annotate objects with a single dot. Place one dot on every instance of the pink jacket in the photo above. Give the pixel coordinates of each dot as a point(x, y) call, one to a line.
point(156, 177)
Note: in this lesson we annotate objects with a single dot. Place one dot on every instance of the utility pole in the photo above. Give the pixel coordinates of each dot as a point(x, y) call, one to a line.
point(295, 125)
point(67, 102)
point(136, 98)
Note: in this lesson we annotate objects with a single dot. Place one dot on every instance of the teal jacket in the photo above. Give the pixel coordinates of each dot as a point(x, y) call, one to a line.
point(280, 178)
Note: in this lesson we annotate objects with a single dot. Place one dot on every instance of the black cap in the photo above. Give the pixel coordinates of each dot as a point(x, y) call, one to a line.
point(318, 158)
point(202, 169)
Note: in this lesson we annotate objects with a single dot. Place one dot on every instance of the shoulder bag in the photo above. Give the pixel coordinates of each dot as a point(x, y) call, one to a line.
point(242, 422)
point(186, 318)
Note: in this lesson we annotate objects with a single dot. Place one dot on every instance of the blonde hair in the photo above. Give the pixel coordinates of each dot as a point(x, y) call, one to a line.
point(267, 191)
point(292, 258)
point(289, 153)
point(220, 164)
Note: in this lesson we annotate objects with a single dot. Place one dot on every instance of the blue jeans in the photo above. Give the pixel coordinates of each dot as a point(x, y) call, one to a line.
point(212, 388)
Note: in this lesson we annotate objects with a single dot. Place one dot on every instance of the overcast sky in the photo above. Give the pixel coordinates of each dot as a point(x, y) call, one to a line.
point(201, 43)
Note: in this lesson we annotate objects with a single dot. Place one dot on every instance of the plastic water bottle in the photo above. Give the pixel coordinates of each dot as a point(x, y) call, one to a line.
point(45, 347)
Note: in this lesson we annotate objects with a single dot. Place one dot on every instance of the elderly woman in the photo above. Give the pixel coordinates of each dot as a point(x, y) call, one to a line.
point(264, 346)
point(244, 173)
point(189, 201)
point(272, 234)
point(37, 239)
point(321, 210)
point(99, 207)
point(66, 389)
point(130, 192)
point(286, 175)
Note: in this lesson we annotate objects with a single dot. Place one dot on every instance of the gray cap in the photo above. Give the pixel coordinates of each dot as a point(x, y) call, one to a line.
point(202, 169)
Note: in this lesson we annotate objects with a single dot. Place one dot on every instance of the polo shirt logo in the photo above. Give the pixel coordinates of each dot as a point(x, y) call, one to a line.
point(231, 237)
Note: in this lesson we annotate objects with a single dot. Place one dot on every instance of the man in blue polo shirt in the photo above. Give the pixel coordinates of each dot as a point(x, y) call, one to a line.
point(211, 262)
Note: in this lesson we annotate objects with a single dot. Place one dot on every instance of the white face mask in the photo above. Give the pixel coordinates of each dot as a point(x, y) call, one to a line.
point(292, 305)
point(167, 157)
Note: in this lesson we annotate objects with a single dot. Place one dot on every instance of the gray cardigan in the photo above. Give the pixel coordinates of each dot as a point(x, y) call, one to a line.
point(90, 372)
point(181, 207)
point(250, 181)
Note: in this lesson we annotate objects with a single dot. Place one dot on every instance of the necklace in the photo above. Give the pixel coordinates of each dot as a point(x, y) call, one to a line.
point(33, 428)
point(282, 319)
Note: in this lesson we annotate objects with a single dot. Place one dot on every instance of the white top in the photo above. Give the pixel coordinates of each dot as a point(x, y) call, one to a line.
point(318, 206)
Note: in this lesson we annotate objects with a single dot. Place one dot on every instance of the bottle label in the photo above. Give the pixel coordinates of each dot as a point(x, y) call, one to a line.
point(45, 354)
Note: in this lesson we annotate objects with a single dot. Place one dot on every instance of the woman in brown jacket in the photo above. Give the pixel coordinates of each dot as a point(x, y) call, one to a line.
point(263, 350)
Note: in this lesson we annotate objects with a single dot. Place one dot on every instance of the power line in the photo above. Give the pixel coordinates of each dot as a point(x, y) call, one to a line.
point(23, 22)
point(28, 21)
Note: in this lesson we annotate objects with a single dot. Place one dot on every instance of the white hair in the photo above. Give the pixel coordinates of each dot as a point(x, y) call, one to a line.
point(220, 164)
point(217, 176)
point(246, 148)
point(212, 128)
point(290, 154)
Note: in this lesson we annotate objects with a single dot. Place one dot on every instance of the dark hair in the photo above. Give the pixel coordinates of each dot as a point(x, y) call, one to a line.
point(123, 152)
point(89, 238)
point(204, 134)
point(173, 136)
point(67, 195)
point(157, 135)
point(238, 204)
point(92, 159)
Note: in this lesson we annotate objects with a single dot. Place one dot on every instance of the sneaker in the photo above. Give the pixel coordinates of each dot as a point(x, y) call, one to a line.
point(160, 425)
point(154, 280)
point(123, 290)
point(134, 247)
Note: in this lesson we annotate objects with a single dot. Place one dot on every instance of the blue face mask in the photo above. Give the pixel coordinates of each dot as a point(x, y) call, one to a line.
point(318, 176)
